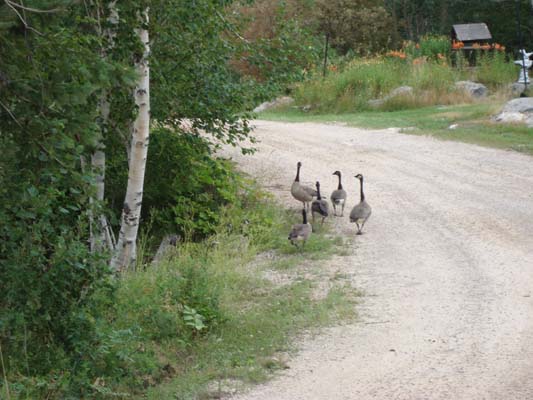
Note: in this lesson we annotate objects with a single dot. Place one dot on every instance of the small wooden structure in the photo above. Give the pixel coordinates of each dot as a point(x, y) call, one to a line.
point(472, 36)
point(469, 38)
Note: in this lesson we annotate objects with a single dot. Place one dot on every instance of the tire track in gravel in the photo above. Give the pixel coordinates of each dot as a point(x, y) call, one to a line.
point(446, 264)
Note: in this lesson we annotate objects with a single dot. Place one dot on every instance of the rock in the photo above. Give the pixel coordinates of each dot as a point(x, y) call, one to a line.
point(517, 110)
point(399, 91)
point(474, 89)
point(376, 103)
point(279, 102)
point(517, 88)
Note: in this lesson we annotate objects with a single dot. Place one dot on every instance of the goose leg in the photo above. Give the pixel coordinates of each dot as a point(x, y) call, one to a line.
point(342, 210)
point(358, 228)
point(334, 210)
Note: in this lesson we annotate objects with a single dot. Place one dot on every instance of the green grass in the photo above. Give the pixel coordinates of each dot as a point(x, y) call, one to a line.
point(473, 122)
point(250, 321)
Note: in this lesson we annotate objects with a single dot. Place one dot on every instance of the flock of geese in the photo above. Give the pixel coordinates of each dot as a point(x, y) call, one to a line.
point(305, 194)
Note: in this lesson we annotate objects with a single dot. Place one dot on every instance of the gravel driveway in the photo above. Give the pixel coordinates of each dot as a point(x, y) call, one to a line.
point(446, 265)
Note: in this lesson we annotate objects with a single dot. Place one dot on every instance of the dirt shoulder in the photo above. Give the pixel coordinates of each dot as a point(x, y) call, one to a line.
point(446, 265)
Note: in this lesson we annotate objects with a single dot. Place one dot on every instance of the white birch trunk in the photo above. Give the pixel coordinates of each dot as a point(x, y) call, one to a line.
point(125, 253)
point(101, 234)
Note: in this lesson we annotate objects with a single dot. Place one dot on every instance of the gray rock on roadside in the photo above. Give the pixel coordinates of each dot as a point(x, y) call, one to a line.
point(474, 89)
point(399, 91)
point(279, 102)
point(517, 110)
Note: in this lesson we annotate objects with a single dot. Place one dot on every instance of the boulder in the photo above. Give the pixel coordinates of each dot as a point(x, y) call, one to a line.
point(517, 110)
point(399, 91)
point(279, 102)
point(517, 88)
point(474, 89)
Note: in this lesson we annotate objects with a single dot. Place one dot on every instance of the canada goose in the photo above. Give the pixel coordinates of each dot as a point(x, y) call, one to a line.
point(338, 197)
point(301, 192)
point(300, 232)
point(361, 212)
point(319, 205)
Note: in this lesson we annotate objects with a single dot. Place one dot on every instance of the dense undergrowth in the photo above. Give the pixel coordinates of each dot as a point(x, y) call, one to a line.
point(202, 315)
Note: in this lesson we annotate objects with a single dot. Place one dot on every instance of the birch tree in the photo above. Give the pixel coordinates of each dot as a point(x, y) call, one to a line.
point(125, 253)
point(101, 233)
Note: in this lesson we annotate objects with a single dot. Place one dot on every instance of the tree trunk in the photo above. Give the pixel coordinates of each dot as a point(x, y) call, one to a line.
point(101, 233)
point(125, 253)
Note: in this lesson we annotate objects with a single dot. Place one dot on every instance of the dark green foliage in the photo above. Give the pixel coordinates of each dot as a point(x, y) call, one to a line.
point(48, 107)
point(191, 78)
point(186, 185)
point(46, 268)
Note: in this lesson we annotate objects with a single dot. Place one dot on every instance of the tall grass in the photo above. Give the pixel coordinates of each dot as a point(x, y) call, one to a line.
point(495, 71)
point(432, 80)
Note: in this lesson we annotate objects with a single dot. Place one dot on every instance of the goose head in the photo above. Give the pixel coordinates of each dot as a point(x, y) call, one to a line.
point(338, 173)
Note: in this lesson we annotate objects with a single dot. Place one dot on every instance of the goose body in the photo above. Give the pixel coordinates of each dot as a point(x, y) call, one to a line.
point(300, 232)
point(319, 205)
point(301, 192)
point(338, 196)
point(362, 211)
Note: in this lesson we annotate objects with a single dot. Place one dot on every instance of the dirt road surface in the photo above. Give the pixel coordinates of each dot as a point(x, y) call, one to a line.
point(446, 265)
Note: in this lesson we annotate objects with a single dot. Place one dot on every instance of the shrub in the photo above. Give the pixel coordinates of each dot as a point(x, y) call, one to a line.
point(185, 184)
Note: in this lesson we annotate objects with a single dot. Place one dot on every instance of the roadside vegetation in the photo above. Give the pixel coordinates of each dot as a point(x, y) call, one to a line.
point(211, 313)
point(429, 67)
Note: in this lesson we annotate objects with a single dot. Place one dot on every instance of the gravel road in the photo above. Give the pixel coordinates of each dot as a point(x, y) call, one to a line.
point(446, 265)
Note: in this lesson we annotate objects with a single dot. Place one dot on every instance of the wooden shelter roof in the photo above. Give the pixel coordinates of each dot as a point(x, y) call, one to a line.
point(472, 32)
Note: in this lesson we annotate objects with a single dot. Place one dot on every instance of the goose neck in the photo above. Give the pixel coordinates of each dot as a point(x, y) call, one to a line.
point(362, 193)
point(297, 179)
point(340, 183)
